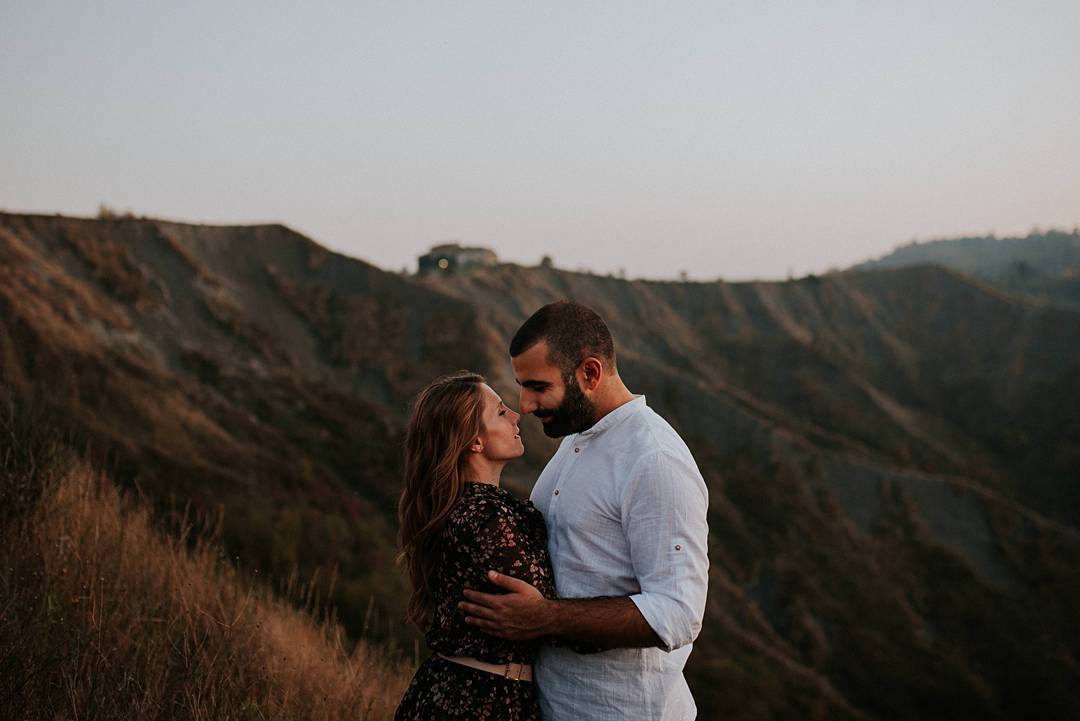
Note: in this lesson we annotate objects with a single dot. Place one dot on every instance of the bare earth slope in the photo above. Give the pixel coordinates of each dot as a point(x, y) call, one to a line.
point(891, 454)
point(873, 442)
point(241, 368)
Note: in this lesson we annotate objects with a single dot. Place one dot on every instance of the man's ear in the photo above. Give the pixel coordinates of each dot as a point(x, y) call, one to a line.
point(592, 370)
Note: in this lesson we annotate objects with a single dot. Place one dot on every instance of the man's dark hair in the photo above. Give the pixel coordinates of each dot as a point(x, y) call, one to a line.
point(572, 331)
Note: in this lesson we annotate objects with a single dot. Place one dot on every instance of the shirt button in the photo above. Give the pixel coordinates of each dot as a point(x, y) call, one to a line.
point(677, 546)
point(556, 491)
point(577, 450)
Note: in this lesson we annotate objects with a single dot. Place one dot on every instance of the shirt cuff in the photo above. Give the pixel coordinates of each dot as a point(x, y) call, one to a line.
point(651, 606)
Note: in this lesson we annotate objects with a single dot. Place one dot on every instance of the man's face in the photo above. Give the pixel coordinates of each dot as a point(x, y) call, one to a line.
point(550, 395)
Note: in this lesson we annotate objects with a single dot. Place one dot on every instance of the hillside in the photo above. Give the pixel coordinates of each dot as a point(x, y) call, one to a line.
point(105, 617)
point(1043, 265)
point(890, 453)
point(241, 368)
point(919, 368)
point(862, 436)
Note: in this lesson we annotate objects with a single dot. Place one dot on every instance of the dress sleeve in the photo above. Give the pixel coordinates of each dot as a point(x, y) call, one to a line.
point(505, 542)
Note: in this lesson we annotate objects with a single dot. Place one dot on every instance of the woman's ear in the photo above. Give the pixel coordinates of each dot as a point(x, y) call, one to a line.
point(477, 446)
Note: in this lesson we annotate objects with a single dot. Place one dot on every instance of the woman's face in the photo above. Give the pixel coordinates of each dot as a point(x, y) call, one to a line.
point(500, 437)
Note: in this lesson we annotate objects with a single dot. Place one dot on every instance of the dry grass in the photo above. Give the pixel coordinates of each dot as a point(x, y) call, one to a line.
point(102, 616)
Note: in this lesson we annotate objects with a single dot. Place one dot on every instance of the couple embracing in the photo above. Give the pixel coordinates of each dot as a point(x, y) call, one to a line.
point(583, 602)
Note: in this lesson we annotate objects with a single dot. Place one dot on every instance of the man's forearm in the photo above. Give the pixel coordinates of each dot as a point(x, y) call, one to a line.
point(610, 622)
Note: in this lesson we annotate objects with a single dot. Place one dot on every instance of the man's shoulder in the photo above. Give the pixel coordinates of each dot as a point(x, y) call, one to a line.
point(651, 436)
point(656, 450)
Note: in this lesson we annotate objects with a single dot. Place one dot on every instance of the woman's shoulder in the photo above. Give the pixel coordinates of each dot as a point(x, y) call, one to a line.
point(483, 504)
point(481, 501)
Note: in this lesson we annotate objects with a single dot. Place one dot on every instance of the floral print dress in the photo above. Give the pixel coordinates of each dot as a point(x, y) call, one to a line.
point(490, 529)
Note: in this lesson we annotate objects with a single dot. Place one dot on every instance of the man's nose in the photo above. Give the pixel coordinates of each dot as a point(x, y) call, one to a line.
point(526, 405)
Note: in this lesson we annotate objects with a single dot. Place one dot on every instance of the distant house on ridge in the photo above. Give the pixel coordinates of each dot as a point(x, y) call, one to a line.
point(452, 257)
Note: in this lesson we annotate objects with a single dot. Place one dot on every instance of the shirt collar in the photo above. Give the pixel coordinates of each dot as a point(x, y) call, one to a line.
point(615, 417)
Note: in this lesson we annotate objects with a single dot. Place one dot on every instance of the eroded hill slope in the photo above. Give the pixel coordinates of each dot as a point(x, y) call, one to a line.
point(889, 454)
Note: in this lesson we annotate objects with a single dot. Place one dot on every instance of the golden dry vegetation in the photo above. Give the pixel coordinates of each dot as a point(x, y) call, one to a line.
point(105, 616)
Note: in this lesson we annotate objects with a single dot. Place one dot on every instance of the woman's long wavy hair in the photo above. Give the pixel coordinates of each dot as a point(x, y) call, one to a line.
point(446, 417)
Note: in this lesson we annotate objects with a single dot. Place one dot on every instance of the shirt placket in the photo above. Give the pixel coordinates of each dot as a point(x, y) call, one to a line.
point(557, 494)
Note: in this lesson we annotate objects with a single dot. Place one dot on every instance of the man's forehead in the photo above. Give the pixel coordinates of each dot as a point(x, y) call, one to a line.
point(533, 364)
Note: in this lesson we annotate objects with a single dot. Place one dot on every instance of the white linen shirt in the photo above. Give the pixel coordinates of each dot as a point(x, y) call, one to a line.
point(625, 507)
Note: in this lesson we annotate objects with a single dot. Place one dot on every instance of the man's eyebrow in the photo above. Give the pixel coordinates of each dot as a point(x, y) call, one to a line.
point(535, 385)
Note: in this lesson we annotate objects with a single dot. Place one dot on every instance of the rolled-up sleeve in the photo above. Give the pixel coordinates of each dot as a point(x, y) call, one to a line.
point(664, 509)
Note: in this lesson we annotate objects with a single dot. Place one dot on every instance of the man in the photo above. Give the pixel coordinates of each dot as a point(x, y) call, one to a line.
point(625, 507)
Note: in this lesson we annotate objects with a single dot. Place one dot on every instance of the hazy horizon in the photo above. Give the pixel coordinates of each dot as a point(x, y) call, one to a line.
point(736, 140)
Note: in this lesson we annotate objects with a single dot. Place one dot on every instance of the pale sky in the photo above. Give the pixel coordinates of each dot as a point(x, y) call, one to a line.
point(727, 139)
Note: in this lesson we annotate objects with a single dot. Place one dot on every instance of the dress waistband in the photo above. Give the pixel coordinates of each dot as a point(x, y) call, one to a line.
point(512, 671)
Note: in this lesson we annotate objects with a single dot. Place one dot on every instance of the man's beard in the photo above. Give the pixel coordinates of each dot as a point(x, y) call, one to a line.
point(575, 414)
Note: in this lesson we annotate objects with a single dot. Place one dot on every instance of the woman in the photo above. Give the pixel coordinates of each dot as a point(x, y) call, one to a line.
point(456, 524)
